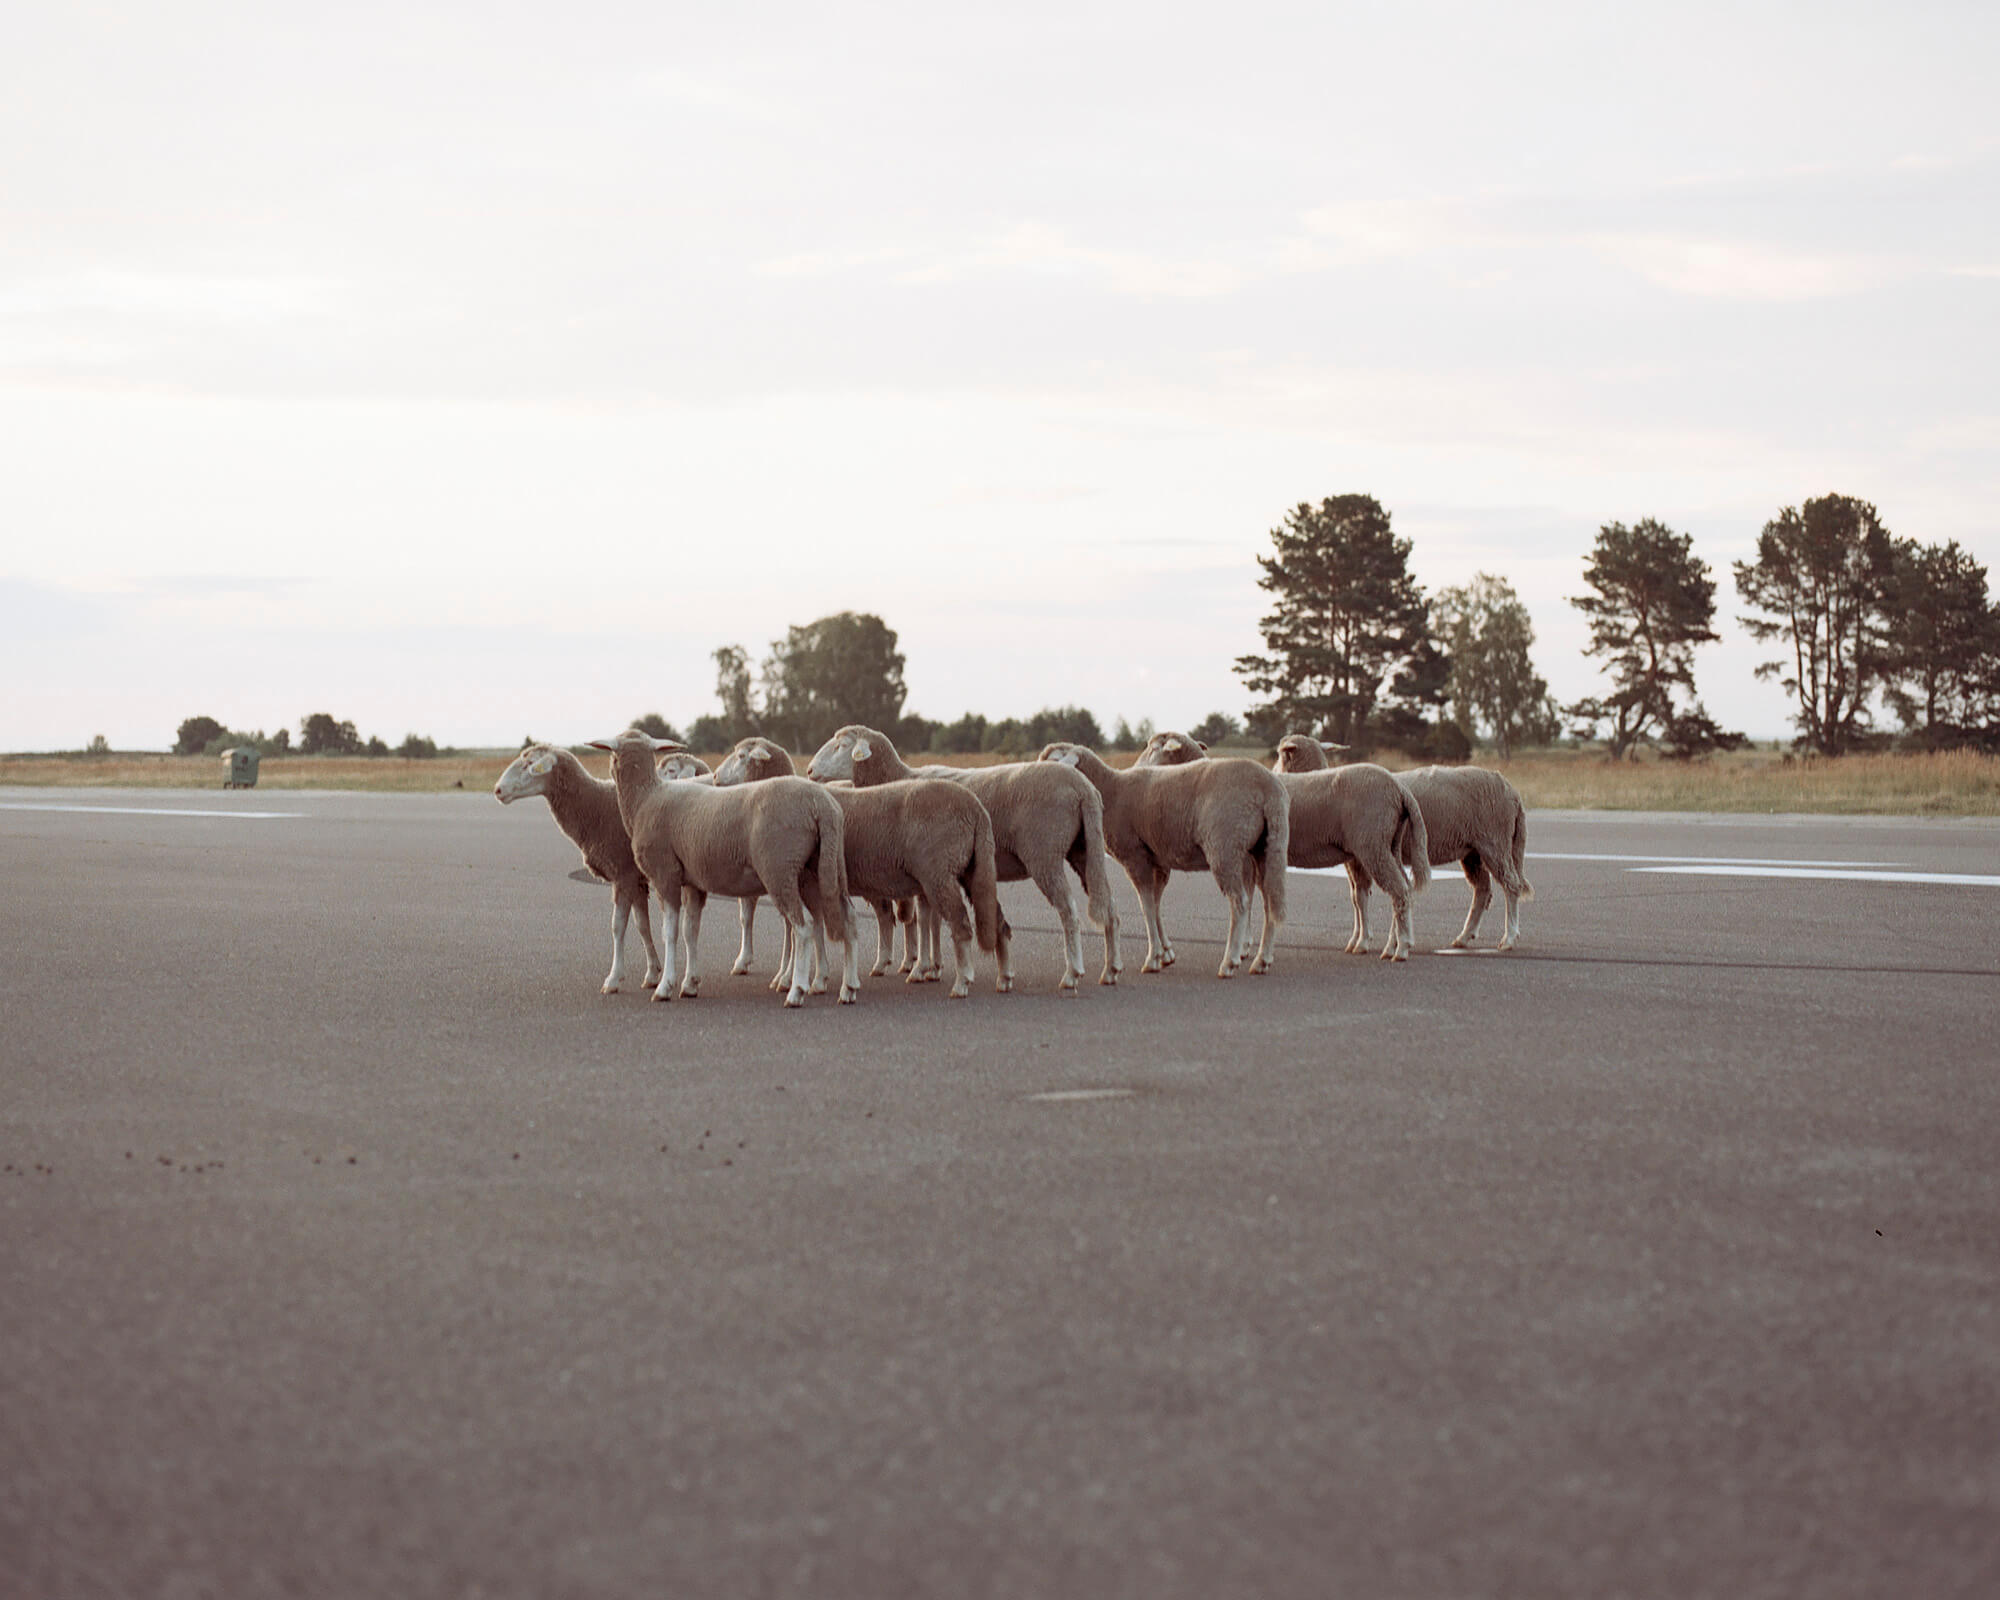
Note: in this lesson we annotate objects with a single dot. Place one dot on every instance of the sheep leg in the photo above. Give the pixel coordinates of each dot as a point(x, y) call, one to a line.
point(906, 921)
point(621, 912)
point(850, 967)
point(746, 914)
point(1003, 957)
point(1511, 932)
point(1482, 897)
point(885, 936)
point(929, 967)
point(670, 943)
point(1148, 883)
point(1168, 954)
point(694, 902)
point(1358, 885)
point(1050, 878)
point(782, 978)
point(641, 901)
point(1232, 879)
point(820, 965)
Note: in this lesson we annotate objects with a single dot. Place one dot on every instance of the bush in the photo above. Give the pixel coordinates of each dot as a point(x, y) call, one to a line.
point(415, 747)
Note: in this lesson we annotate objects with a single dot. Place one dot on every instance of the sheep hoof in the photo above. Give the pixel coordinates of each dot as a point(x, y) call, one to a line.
point(691, 990)
point(848, 996)
point(1108, 979)
point(959, 990)
point(663, 994)
point(1169, 957)
point(794, 998)
point(610, 986)
point(739, 969)
point(1260, 966)
point(1004, 984)
point(1151, 965)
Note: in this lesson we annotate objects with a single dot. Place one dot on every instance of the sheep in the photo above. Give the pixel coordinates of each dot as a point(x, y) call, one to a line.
point(933, 841)
point(1040, 821)
point(1354, 816)
point(755, 758)
point(1473, 816)
point(586, 808)
point(782, 837)
point(1229, 816)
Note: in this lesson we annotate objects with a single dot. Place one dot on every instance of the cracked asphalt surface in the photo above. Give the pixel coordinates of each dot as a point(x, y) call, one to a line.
point(354, 1245)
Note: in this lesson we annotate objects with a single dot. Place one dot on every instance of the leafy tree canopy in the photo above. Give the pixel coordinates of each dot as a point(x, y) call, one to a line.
point(840, 669)
point(1346, 613)
point(321, 734)
point(1494, 684)
point(1651, 602)
point(1819, 587)
point(193, 736)
point(1943, 645)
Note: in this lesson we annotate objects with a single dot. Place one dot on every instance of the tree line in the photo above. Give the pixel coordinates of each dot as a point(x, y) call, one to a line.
point(1355, 652)
point(320, 733)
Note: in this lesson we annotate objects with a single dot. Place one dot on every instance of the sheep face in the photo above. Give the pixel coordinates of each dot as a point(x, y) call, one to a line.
point(679, 765)
point(835, 759)
point(528, 773)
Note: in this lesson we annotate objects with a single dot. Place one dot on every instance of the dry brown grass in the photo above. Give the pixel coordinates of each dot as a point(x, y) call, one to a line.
point(1957, 784)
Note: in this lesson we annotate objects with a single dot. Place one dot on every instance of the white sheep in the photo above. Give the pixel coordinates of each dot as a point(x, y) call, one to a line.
point(1355, 816)
point(1472, 816)
point(782, 838)
point(1230, 817)
point(586, 808)
point(1040, 824)
point(756, 758)
point(931, 842)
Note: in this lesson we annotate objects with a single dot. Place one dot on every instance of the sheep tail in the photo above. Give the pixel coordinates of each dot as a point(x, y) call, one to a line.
point(1414, 841)
point(835, 911)
point(1520, 853)
point(1096, 880)
point(1277, 851)
point(982, 885)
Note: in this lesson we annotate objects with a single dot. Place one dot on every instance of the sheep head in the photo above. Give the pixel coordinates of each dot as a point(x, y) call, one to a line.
point(749, 761)
point(528, 773)
point(1170, 750)
point(838, 756)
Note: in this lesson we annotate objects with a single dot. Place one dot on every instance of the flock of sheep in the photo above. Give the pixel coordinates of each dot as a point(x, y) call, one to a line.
point(926, 847)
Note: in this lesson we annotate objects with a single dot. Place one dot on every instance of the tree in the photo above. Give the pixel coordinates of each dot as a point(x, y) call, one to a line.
point(840, 669)
point(1216, 727)
point(415, 747)
point(320, 734)
point(1064, 724)
point(732, 689)
point(193, 735)
point(961, 737)
point(1347, 611)
point(1821, 580)
point(1487, 633)
point(1943, 641)
point(1654, 601)
point(658, 726)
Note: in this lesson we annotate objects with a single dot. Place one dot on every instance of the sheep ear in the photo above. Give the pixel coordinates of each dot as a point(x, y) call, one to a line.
point(757, 752)
point(862, 750)
point(1171, 742)
point(542, 764)
point(600, 744)
point(667, 744)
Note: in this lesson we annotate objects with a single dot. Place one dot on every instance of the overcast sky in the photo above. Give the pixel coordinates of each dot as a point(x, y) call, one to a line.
point(477, 370)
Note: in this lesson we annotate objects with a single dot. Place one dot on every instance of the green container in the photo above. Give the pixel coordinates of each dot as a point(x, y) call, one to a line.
point(239, 768)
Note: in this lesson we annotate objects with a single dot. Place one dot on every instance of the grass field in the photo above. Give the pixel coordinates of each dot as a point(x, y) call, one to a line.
point(1958, 784)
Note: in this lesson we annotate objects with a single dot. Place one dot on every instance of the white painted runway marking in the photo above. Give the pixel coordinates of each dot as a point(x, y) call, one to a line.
point(1971, 879)
point(1714, 861)
point(1084, 1094)
point(143, 811)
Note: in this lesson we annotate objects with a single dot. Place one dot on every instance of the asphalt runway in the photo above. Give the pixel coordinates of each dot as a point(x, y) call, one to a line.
point(354, 1245)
